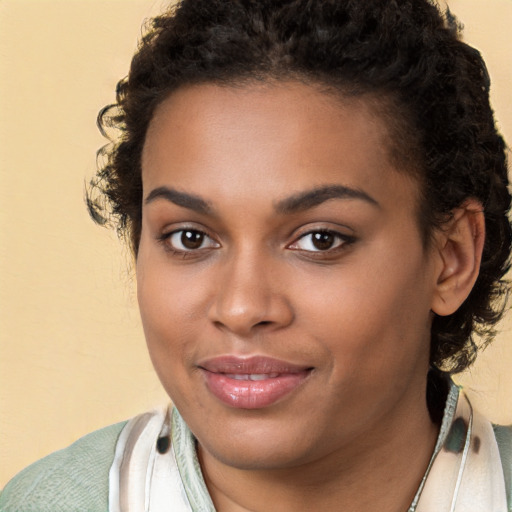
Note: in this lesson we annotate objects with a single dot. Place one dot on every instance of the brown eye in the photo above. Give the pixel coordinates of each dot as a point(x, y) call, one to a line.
point(323, 240)
point(192, 239)
point(187, 240)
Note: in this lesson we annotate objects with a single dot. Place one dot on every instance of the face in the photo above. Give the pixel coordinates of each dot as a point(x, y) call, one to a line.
point(283, 285)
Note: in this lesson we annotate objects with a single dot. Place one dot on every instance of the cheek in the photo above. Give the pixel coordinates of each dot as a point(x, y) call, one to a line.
point(372, 313)
point(164, 333)
point(172, 307)
point(158, 303)
point(162, 292)
point(371, 295)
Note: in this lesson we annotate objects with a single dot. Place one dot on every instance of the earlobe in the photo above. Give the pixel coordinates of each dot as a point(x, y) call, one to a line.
point(460, 244)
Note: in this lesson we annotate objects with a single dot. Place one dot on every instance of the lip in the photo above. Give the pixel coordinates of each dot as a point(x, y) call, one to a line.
point(252, 382)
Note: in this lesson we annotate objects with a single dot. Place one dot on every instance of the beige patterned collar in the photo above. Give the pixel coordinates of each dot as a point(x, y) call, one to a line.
point(465, 473)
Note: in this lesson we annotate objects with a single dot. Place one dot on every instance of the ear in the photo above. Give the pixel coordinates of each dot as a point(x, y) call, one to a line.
point(459, 243)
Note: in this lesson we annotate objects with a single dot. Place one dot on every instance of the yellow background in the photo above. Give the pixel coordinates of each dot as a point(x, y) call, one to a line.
point(72, 352)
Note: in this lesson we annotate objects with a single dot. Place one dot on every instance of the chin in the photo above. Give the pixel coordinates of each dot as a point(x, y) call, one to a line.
point(257, 445)
point(256, 455)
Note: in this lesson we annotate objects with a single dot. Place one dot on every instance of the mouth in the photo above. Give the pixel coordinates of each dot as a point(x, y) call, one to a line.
point(254, 382)
point(252, 376)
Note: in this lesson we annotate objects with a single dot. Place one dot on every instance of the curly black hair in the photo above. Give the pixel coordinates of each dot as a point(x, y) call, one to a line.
point(434, 92)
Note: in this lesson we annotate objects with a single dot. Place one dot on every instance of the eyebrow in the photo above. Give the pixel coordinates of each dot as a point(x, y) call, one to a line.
point(189, 201)
point(293, 204)
point(311, 198)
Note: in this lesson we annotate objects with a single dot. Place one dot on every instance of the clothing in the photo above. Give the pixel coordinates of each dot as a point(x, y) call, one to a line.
point(73, 479)
point(150, 461)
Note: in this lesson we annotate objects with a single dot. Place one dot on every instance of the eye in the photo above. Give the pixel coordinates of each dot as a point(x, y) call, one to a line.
point(187, 240)
point(321, 241)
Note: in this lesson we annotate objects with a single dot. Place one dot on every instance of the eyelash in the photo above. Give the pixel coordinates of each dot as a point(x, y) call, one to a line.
point(341, 242)
point(166, 240)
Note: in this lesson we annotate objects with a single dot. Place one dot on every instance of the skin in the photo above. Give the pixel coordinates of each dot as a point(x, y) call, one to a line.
point(357, 431)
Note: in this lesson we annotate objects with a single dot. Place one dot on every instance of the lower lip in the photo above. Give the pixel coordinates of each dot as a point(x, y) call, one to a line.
point(253, 394)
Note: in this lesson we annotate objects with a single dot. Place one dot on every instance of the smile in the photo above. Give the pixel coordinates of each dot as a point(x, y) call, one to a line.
point(252, 383)
point(253, 376)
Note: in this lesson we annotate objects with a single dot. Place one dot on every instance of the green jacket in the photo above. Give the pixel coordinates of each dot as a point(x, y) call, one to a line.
point(73, 479)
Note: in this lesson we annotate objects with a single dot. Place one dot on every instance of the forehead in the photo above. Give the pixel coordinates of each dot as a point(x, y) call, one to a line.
point(226, 142)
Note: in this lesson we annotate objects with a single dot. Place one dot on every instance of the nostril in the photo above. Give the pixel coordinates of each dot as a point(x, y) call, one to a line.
point(245, 314)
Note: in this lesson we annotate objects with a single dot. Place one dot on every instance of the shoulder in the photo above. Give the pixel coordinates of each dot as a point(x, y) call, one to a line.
point(75, 478)
point(504, 439)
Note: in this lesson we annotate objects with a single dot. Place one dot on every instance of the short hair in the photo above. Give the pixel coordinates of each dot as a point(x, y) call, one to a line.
point(406, 55)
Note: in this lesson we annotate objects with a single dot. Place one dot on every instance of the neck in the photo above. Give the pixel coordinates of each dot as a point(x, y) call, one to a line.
point(384, 465)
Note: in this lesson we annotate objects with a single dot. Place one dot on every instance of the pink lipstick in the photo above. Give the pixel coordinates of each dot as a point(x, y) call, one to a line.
point(254, 382)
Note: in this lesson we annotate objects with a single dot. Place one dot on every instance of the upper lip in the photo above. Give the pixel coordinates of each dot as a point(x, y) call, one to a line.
point(251, 365)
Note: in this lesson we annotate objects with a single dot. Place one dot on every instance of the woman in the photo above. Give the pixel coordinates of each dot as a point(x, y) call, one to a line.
point(316, 197)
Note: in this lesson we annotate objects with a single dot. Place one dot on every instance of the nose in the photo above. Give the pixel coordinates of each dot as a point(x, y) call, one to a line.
point(250, 297)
